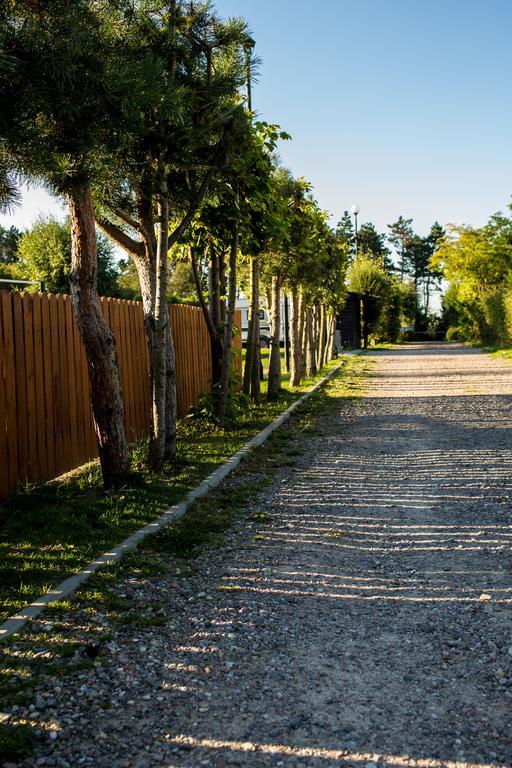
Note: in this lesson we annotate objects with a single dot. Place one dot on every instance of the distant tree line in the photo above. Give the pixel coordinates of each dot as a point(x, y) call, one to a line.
point(477, 263)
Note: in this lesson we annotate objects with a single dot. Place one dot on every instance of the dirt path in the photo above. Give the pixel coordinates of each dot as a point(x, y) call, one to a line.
point(370, 624)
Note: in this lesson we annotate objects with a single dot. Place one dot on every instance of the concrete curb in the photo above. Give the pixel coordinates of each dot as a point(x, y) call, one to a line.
point(16, 622)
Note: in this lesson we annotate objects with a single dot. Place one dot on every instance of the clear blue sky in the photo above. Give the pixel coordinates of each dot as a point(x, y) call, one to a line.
point(402, 107)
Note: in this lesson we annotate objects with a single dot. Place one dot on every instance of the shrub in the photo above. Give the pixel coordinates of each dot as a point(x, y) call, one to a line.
point(454, 333)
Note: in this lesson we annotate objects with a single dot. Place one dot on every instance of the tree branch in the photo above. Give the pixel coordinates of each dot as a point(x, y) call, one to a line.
point(199, 291)
point(185, 222)
point(136, 225)
point(124, 241)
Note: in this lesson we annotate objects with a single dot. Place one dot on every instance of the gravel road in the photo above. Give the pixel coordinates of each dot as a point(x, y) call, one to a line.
point(369, 624)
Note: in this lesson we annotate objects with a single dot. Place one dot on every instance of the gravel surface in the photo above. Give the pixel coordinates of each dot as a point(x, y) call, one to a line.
point(368, 624)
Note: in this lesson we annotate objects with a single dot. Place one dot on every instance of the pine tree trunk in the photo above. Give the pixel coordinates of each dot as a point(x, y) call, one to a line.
point(331, 337)
point(214, 306)
point(302, 334)
point(251, 382)
point(223, 288)
point(274, 368)
point(256, 374)
point(171, 407)
point(310, 345)
point(161, 334)
point(98, 341)
point(228, 328)
point(249, 346)
point(213, 330)
point(321, 338)
point(295, 374)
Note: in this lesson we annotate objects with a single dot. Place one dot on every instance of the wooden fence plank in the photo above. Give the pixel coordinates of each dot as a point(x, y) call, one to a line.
point(70, 363)
point(4, 464)
point(81, 399)
point(136, 381)
point(48, 393)
point(65, 431)
point(56, 386)
point(128, 385)
point(32, 457)
point(43, 471)
point(10, 390)
point(21, 386)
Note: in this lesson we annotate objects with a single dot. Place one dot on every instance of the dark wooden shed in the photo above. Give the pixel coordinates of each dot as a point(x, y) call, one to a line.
point(349, 322)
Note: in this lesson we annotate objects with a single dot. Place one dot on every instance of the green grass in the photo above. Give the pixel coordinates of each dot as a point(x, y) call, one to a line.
point(50, 531)
point(505, 354)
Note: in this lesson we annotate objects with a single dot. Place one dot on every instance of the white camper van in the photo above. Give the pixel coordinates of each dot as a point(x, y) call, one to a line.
point(243, 305)
point(265, 331)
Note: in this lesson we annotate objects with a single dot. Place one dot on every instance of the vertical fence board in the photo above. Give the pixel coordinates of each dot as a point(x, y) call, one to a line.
point(56, 386)
point(39, 438)
point(124, 328)
point(48, 393)
point(65, 422)
point(4, 464)
point(10, 390)
point(70, 365)
point(21, 387)
point(33, 462)
point(134, 341)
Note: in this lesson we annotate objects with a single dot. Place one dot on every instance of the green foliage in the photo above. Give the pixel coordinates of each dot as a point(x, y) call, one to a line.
point(128, 285)
point(44, 254)
point(454, 333)
point(206, 410)
point(9, 239)
point(372, 243)
point(478, 264)
point(369, 279)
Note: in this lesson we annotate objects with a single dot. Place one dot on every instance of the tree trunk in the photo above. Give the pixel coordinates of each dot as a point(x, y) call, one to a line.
point(331, 338)
point(322, 338)
point(161, 334)
point(251, 369)
point(228, 328)
point(295, 374)
point(214, 287)
point(365, 322)
point(274, 368)
point(310, 345)
point(286, 334)
point(256, 373)
point(98, 341)
point(302, 334)
point(171, 408)
point(223, 288)
point(215, 314)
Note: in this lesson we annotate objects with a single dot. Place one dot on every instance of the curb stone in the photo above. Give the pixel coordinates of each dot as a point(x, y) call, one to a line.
point(16, 622)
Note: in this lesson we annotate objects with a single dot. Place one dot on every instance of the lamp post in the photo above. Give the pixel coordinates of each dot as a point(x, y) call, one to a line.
point(249, 45)
point(355, 211)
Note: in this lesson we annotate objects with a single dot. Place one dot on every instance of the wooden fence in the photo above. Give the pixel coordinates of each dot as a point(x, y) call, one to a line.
point(46, 425)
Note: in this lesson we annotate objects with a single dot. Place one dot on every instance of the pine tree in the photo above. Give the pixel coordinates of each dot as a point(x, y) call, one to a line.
point(59, 110)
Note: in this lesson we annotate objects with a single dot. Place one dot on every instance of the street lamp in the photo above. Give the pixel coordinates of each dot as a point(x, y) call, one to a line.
point(355, 211)
point(249, 46)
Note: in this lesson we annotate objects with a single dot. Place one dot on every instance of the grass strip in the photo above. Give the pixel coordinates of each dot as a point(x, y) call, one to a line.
point(50, 531)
